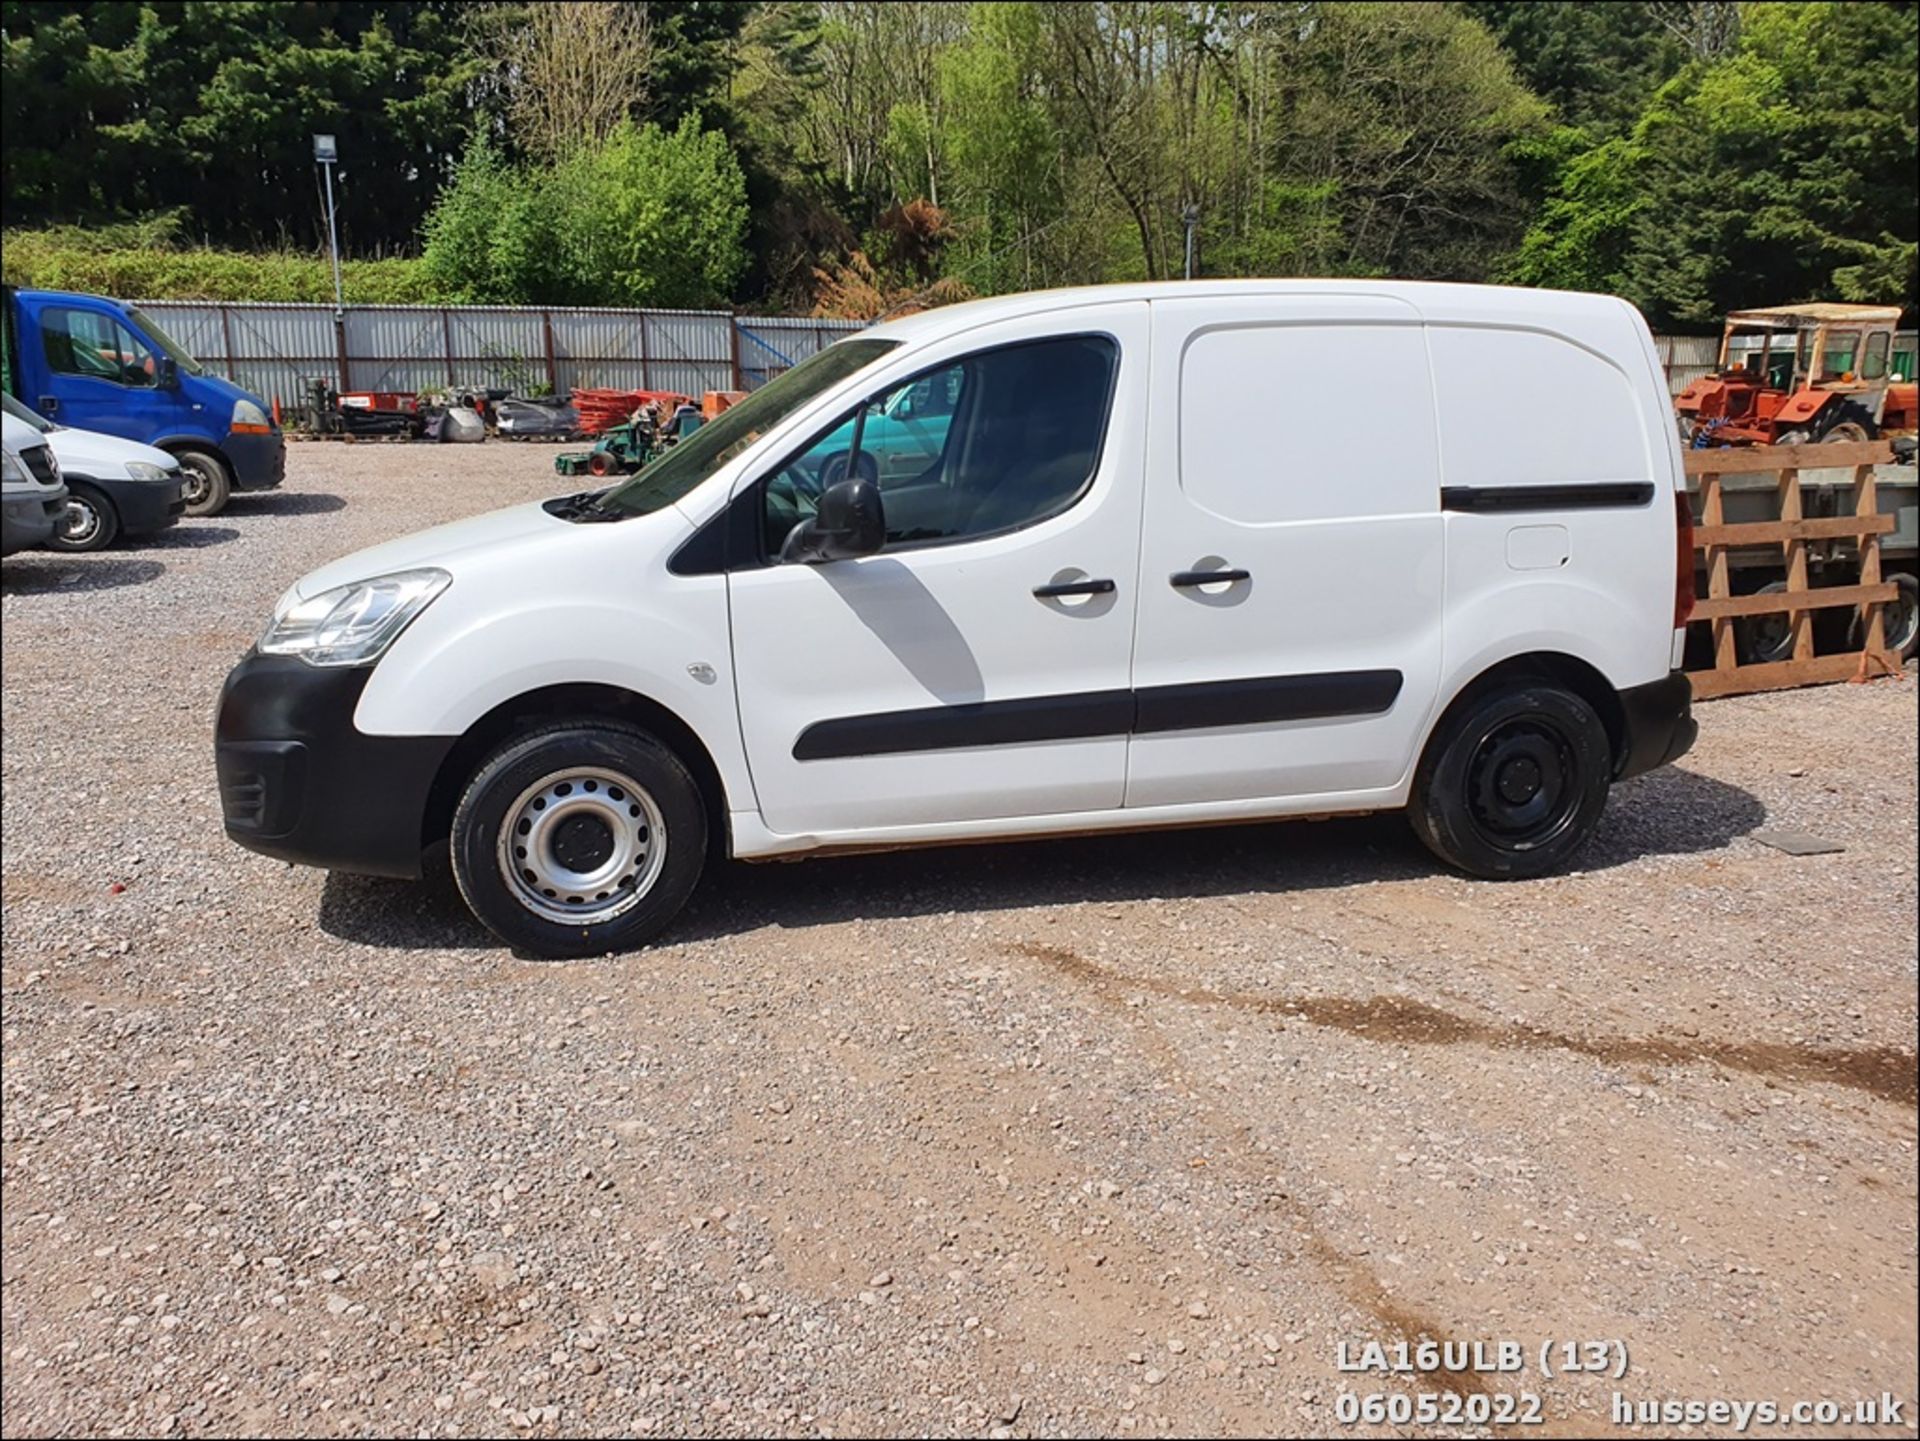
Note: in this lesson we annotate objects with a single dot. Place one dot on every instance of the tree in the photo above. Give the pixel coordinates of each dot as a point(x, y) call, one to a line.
point(1595, 64)
point(115, 111)
point(1782, 171)
point(645, 217)
point(575, 69)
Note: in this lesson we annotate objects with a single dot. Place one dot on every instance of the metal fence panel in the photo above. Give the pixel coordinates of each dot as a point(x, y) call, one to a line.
point(772, 344)
point(691, 352)
point(600, 348)
point(500, 347)
point(1686, 358)
point(197, 329)
point(276, 351)
point(400, 348)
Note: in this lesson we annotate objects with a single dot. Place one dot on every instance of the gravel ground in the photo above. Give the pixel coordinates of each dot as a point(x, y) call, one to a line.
point(1110, 1135)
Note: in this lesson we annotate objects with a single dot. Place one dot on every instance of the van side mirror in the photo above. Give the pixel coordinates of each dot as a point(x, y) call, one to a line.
point(850, 521)
point(168, 373)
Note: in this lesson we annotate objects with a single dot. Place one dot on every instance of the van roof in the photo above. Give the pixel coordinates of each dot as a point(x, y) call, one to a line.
point(1435, 300)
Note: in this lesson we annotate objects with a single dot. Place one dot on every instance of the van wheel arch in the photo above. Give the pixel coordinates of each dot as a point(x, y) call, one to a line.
point(1554, 667)
point(582, 702)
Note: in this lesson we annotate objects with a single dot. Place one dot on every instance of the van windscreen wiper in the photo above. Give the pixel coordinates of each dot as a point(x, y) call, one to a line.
point(583, 508)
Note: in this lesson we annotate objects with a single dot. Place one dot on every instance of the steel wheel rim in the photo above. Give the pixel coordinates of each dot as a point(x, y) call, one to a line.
point(1772, 637)
point(80, 522)
point(1521, 790)
point(582, 846)
point(196, 485)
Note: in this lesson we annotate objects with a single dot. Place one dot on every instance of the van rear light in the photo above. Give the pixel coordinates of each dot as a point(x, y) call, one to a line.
point(1683, 592)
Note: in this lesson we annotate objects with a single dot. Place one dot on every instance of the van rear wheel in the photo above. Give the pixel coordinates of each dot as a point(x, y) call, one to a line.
point(1513, 782)
point(579, 838)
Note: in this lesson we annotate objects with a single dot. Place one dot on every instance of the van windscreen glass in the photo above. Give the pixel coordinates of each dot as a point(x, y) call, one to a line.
point(181, 356)
point(693, 460)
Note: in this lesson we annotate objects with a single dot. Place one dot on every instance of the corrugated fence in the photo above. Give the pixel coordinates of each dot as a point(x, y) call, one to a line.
point(1686, 358)
point(277, 350)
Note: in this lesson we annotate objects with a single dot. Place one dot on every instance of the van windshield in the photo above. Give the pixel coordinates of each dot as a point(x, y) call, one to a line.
point(692, 460)
point(179, 353)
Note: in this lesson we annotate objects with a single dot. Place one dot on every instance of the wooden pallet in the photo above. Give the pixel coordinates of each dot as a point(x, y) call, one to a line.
point(1717, 539)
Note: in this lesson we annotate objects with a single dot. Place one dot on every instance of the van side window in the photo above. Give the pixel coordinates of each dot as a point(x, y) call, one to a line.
point(85, 342)
point(986, 444)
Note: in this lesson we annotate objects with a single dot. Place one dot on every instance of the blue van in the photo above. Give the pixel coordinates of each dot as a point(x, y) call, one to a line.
point(97, 364)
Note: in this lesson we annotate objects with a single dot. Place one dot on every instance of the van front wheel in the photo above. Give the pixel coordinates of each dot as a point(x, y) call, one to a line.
point(1513, 783)
point(579, 838)
point(208, 485)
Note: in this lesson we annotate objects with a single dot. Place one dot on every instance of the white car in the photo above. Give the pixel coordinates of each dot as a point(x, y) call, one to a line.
point(32, 494)
point(1187, 553)
point(115, 487)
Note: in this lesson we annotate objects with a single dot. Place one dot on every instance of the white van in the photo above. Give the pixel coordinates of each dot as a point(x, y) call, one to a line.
point(1186, 553)
point(33, 496)
point(115, 486)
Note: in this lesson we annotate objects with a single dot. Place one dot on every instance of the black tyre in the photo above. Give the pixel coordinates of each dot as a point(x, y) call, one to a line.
point(89, 521)
point(209, 486)
point(1765, 638)
point(1513, 782)
point(1900, 620)
point(579, 838)
point(1849, 420)
point(835, 470)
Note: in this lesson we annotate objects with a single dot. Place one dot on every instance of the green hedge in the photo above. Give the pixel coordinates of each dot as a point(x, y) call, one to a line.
point(62, 260)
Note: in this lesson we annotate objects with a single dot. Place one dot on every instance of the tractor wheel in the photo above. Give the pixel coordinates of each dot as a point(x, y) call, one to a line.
point(1848, 421)
point(1794, 437)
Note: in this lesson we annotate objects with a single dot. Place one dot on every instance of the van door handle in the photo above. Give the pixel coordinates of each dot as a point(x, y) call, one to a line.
point(1180, 579)
point(1074, 587)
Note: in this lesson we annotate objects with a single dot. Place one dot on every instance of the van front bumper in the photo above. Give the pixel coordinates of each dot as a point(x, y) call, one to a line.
point(142, 505)
point(29, 518)
point(259, 459)
point(1659, 724)
point(299, 782)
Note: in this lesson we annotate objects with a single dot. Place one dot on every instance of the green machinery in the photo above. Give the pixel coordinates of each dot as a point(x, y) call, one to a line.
point(623, 449)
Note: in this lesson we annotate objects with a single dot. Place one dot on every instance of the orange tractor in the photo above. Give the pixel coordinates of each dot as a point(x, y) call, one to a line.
point(1791, 374)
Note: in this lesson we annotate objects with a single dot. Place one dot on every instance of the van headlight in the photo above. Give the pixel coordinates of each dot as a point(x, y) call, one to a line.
point(353, 624)
point(250, 419)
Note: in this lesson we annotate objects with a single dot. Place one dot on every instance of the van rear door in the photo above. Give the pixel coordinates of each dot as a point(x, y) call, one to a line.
point(1291, 457)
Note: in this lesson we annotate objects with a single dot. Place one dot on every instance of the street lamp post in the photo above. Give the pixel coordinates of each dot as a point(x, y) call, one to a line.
point(326, 155)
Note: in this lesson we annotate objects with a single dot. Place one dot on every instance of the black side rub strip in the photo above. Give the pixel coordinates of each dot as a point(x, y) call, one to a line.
point(978, 723)
point(1598, 496)
point(1267, 698)
point(1157, 709)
